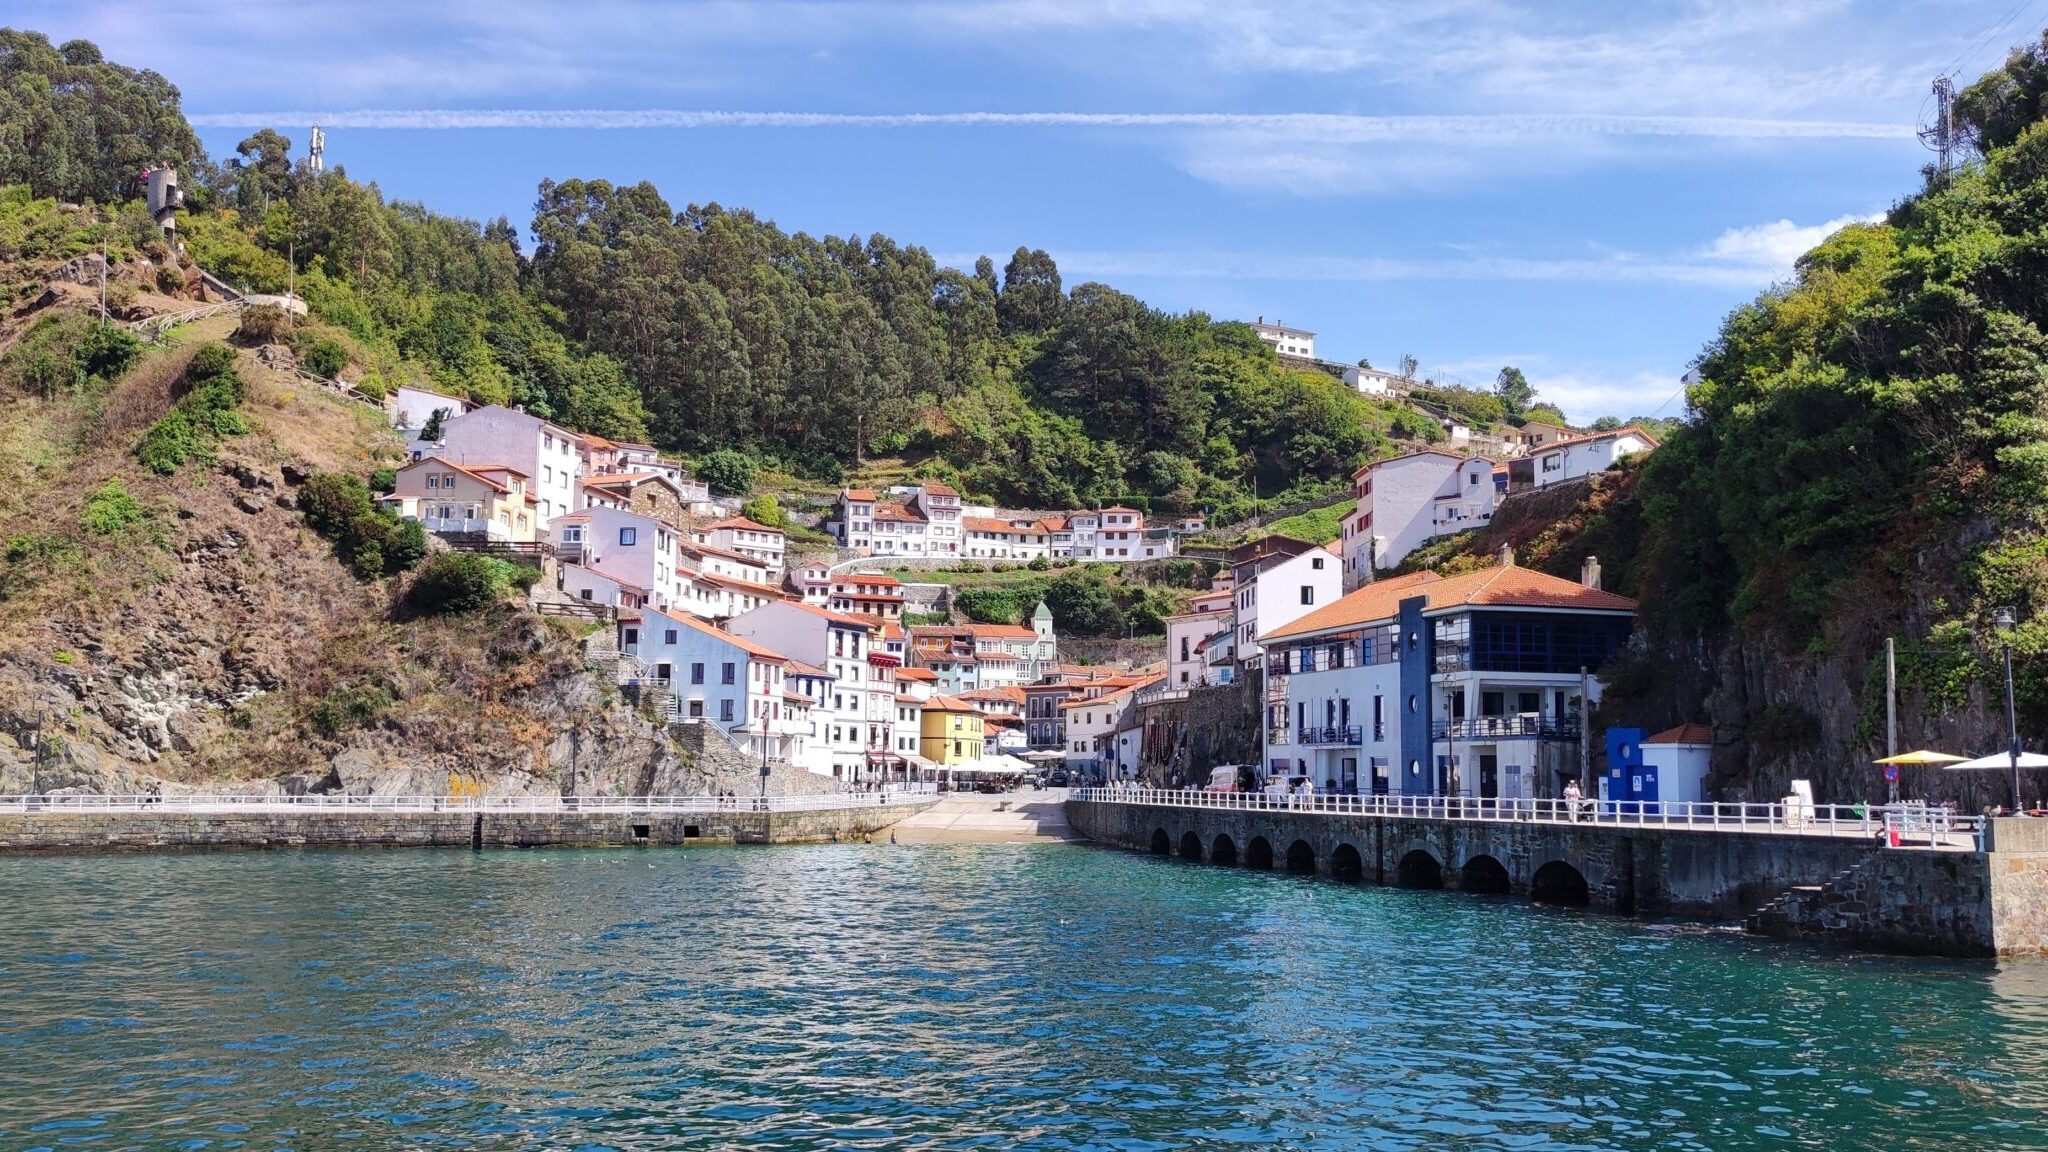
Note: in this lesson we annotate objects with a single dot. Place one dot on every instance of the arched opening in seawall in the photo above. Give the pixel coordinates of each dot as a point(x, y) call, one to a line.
point(1559, 883)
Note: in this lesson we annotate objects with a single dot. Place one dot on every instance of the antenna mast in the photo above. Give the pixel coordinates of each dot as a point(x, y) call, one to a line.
point(1940, 132)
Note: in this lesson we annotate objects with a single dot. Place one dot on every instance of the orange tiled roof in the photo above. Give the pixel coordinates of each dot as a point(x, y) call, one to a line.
point(858, 495)
point(1500, 587)
point(935, 488)
point(1684, 734)
point(740, 522)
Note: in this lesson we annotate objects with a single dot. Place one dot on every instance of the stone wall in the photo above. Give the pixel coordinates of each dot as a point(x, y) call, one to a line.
point(1209, 726)
point(1952, 903)
point(172, 831)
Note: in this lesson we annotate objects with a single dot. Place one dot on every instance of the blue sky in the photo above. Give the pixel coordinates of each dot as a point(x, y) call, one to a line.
point(1579, 189)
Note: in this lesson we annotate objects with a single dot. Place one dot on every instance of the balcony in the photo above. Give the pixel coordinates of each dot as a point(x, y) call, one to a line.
point(1528, 725)
point(1346, 734)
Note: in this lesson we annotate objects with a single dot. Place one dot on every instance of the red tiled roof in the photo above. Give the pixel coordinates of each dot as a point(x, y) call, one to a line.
point(1684, 734)
point(1006, 631)
point(916, 674)
point(858, 495)
point(935, 488)
point(866, 623)
point(740, 642)
point(727, 553)
point(890, 510)
point(473, 471)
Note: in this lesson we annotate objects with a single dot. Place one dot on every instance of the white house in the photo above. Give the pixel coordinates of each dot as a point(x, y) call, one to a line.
point(410, 408)
point(1092, 719)
point(634, 556)
point(1403, 503)
point(1373, 382)
point(1681, 757)
point(1187, 664)
point(1296, 342)
point(1283, 590)
point(715, 561)
point(998, 538)
point(922, 519)
point(549, 455)
point(718, 678)
point(1424, 685)
point(716, 597)
point(747, 538)
point(842, 645)
point(1588, 455)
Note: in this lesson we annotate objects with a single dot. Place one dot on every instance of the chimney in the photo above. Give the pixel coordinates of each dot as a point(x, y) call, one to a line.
point(1507, 556)
point(1589, 572)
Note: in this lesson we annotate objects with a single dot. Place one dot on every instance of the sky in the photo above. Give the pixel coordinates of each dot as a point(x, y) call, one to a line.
point(1579, 188)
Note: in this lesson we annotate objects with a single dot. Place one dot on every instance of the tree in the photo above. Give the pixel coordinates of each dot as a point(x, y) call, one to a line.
point(455, 583)
point(1031, 300)
point(266, 169)
point(75, 127)
point(1514, 390)
point(727, 472)
point(1408, 366)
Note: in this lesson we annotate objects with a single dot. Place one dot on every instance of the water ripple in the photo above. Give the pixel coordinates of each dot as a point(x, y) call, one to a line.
point(867, 997)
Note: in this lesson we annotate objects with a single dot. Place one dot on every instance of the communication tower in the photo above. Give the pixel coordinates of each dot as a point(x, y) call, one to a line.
point(315, 158)
point(1939, 129)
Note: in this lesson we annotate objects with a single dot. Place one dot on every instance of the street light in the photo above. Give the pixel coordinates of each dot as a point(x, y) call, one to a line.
point(2006, 621)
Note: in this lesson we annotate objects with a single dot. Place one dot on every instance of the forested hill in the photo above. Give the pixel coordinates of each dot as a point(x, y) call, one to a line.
point(705, 327)
point(1866, 457)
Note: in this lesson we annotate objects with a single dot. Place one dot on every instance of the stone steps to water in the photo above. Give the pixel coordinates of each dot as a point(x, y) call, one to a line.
point(999, 818)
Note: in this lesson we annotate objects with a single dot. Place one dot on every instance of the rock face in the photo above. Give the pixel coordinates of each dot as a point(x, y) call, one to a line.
point(220, 644)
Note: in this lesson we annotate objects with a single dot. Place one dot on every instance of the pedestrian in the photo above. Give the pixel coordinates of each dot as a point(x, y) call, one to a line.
point(1572, 796)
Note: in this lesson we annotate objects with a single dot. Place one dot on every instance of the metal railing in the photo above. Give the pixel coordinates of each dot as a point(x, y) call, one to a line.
point(229, 803)
point(1350, 734)
point(1494, 727)
point(1901, 827)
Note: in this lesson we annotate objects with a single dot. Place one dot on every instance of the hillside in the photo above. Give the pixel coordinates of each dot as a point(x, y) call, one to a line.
point(1864, 458)
point(190, 626)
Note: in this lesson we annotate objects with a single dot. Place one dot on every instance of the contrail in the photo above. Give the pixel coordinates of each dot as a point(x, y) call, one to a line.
point(1333, 126)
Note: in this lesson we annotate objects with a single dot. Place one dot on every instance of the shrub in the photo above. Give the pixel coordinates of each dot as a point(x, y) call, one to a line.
point(263, 324)
point(170, 279)
point(727, 472)
point(111, 510)
point(1039, 564)
point(763, 510)
point(454, 583)
point(324, 357)
point(384, 479)
point(370, 540)
point(348, 707)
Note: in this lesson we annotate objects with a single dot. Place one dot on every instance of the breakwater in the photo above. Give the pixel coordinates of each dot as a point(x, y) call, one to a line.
point(1947, 897)
point(452, 823)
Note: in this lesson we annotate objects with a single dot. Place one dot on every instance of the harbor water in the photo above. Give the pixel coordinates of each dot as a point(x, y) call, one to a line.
point(950, 997)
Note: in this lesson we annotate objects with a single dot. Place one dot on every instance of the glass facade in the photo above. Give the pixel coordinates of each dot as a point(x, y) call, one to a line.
point(1542, 643)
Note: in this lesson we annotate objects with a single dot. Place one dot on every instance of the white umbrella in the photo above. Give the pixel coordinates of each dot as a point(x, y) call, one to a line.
point(2001, 761)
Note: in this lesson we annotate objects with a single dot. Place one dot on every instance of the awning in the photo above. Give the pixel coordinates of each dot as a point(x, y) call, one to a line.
point(1923, 756)
point(1999, 760)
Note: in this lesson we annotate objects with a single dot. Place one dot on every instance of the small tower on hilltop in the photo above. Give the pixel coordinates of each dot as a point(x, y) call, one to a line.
point(1047, 650)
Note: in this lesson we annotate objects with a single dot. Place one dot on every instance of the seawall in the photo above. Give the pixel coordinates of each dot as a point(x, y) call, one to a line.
point(1843, 889)
point(148, 831)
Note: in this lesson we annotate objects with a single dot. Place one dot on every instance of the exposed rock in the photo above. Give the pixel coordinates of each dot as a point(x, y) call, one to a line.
point(252, 504)
point(296, 472)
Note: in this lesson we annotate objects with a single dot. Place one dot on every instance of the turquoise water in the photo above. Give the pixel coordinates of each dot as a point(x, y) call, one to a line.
point(949, 997)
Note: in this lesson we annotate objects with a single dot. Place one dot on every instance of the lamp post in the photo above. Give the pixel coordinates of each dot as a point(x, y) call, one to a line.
point(2006, 621)
point(764, 763)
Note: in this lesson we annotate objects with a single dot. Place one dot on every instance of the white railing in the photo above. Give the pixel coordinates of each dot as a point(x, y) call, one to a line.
point(232, 803)
point(1917, 827)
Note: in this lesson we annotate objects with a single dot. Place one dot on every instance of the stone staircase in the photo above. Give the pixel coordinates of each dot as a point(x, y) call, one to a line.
point(1837, 906)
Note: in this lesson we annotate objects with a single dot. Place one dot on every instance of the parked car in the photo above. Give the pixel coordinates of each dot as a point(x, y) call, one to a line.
point(1232, 778)
point(1060, 778)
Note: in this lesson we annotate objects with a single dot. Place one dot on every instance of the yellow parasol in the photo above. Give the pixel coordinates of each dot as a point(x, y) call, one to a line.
point(1923, 756)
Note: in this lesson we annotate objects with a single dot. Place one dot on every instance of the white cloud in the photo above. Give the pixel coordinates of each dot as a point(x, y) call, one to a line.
point(1329, 127)
point(1776, 245)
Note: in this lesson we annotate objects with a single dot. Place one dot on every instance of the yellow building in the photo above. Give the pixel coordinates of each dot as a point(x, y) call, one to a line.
point(950, 734)
point(487, 500)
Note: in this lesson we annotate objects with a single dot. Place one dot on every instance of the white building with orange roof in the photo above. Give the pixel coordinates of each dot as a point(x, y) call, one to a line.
point(863, 683)
point(620, 558)
point(1581, 456)
point(1465, 685)
point(649, 493)
point(716, 677)
point(747, 538)
point(867, 594)
point(467, 500)
point(1092, 720)
point(716, 597)
point(1020, 539)
point(1187, 664)
point(715, 561)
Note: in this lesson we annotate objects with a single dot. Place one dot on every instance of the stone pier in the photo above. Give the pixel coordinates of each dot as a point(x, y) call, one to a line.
point(1910, 900)
point(138, 831)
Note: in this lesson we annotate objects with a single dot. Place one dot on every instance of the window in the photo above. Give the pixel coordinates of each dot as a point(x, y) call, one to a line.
point(1316, 562)
point(584, 592)
point(697, 709)
point(628, 537)
point(726, 673)
point(668, 636)
point(1308, 594)
point(725, 710)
